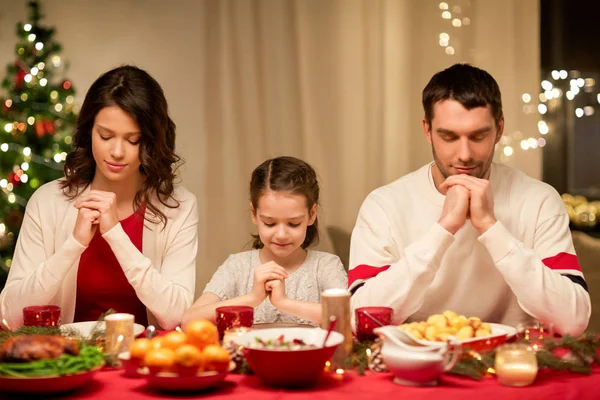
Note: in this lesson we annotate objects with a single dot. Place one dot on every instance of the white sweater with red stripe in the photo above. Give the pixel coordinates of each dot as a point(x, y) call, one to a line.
point(524, 266)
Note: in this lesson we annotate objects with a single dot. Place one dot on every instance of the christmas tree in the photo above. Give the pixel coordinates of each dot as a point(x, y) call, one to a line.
point(37, 117)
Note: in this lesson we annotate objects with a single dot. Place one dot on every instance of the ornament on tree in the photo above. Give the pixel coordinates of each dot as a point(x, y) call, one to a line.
point(44, 127)
point(14, 179)
point(19, 77)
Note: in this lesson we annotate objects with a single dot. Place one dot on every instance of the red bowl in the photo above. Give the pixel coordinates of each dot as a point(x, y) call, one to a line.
point(289, 368)
point(46, 385)
point(172, 382)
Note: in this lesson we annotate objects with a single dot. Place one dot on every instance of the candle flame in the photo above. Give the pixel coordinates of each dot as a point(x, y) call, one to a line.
point(5, 323)
point(117, 344)
point(339, 371)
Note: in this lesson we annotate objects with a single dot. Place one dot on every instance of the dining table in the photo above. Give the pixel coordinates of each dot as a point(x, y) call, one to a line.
point(560, 385)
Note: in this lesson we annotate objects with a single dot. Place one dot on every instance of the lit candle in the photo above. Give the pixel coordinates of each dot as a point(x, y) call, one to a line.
point(119, 332)
point(516, 365)
point(336, 302)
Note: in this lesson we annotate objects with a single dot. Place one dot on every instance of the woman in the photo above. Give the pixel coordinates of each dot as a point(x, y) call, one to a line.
point(115, 232)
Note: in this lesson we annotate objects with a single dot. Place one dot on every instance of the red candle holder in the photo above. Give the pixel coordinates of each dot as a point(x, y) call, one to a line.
point(44, 316)
point(365, 325)
point(535, 333)
point(229, 317)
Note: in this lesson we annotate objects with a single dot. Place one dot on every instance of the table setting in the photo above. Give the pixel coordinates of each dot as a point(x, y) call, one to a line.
point(234, 357)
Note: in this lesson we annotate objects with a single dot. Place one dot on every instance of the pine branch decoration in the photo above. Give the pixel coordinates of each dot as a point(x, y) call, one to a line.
point(567, 353)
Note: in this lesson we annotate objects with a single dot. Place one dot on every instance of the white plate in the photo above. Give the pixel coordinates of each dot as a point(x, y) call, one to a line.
point(510, 331)
point(85, 328)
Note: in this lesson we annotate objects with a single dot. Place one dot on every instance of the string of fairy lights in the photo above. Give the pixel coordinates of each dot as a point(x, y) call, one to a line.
point(58, 106)
point(34, 75)
point(455, 15)
point(560, 85)
point(21, 171)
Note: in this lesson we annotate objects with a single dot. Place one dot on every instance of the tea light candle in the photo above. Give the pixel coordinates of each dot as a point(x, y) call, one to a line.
point(516, 365)
point(119, 332)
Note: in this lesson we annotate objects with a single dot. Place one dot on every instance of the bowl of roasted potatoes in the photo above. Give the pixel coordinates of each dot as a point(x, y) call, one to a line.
point(470, 331)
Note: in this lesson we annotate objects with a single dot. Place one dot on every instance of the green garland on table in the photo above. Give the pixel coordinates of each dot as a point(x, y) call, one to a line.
point(359, 358)
point(578, 355)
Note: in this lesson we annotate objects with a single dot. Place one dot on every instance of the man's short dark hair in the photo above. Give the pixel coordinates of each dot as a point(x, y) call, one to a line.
point(470, 86)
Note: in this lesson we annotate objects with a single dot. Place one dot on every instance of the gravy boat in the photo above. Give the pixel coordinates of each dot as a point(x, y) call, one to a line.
point(414, 363)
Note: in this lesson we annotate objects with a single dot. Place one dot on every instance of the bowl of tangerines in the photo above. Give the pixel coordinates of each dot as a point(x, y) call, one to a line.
point(180, 360)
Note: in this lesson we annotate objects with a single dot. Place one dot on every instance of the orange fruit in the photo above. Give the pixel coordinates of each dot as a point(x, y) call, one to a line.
point(202, 333)
point(139, 348)
point(188, 356)
point(157, 342)
point(216, 358)
point(160, 360)
point(189, 360)
point(174, 340)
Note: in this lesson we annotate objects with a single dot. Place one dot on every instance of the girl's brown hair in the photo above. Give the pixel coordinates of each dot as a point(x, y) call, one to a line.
point(286, 174)
point(135, 92)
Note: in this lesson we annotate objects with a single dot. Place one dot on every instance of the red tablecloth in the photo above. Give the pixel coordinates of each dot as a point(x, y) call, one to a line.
point(110, 384)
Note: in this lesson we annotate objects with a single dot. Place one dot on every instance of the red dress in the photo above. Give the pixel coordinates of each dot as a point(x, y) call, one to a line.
point(101, 282)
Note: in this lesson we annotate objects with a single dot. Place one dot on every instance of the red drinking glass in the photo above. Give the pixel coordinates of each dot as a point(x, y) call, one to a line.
point(365, 325)
point(229, 317)
point(535, 332)
point(44, 316)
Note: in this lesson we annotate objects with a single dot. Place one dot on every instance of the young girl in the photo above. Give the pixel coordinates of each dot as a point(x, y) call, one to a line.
point(280, 278)
point(114, 232)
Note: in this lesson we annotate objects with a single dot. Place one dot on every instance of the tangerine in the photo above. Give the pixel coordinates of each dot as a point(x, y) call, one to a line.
point(216, 358)
point(202, 333)
point(160, 360)
point(139, 348)
point(174, 340)
point(156, 342)
point(189, 360)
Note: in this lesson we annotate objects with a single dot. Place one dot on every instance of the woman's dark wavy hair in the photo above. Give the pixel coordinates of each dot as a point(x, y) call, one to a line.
point(135, 92)
point(286, 174)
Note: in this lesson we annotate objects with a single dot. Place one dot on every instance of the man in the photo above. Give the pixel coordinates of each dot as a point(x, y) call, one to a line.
point(463, 233)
